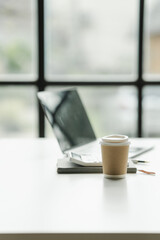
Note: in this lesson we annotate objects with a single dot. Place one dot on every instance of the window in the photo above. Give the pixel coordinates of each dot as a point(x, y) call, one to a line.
point(18, 111)
point(109, 50)
point(152, 41)
point(18, 40)
point(86, 38)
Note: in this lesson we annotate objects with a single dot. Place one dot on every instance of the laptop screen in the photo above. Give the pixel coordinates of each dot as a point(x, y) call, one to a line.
point(68, 118)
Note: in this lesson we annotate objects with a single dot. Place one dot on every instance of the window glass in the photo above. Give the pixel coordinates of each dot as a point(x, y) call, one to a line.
point(91, 39)
point(151, 112)
point(18, 112)
point(110, 109)
point(152, 40)
point(17, 40)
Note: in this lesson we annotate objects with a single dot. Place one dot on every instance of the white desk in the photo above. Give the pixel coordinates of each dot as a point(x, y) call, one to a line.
point(38, 203)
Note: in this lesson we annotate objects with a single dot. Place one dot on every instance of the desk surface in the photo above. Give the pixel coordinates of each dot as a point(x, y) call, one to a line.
point(35, 200)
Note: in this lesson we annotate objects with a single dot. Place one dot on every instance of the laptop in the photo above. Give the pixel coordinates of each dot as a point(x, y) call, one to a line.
point(72, 128)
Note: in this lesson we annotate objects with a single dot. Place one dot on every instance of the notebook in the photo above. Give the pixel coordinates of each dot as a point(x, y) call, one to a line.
point(72, 128)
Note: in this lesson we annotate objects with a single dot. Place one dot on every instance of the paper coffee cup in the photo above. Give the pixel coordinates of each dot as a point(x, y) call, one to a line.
point(114, 150)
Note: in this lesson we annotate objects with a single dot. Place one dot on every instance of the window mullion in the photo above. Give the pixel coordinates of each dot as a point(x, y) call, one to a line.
point(140, 65)
point(41, 80)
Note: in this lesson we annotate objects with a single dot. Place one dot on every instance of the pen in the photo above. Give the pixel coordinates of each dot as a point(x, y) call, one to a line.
point(143, 171)
point(139, 161)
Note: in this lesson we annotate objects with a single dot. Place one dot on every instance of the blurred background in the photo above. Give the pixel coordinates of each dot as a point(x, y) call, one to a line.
point(109, 50)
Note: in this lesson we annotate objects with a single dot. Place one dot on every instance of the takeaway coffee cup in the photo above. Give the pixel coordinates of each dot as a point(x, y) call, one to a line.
point(114, 149)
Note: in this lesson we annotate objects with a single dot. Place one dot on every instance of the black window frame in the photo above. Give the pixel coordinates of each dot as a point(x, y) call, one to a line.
point(41, 83)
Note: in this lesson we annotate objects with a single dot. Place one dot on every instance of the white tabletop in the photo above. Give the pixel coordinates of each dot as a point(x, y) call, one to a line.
point(35, 200)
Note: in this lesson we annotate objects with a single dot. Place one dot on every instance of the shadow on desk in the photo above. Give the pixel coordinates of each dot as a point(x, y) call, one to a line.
point(115, 195)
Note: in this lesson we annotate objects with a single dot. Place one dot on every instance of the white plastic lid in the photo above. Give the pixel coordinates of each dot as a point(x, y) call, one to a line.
point(115, 138)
